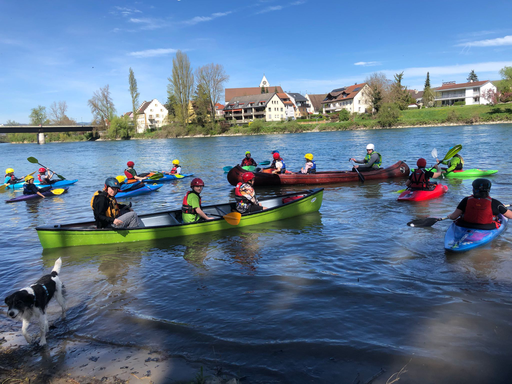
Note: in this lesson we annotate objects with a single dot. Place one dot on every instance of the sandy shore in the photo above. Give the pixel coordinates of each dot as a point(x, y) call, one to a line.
point(88, 361)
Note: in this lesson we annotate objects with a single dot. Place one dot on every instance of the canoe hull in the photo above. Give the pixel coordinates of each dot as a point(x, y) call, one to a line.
point(409, 195)
point(397, 170)
point(57, 236)
point(459, 239)
point(34, 196)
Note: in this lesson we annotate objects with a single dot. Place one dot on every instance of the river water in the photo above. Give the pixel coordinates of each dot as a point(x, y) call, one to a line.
point(315, 299)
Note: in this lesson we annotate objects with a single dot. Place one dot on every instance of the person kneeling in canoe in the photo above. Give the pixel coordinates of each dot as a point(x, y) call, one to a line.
point(245, 195)
point(280, 166)
point(310, 166)
point(371, 162)
point(45, 179)
point(456, 163)
point(419, 180)
point(29, 188)
point(191, 207)
point(479, 210)
point(108, 213)
point(131, 174)
point(248, 160)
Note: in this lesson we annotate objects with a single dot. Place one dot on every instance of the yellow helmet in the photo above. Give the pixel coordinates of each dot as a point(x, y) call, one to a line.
point(308, 156)
point(120, 178)
point(9, 170)
point(29, 177)
point(176, 161)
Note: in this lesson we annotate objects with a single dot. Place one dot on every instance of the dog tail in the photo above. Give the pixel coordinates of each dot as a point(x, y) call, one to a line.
point(56, 267)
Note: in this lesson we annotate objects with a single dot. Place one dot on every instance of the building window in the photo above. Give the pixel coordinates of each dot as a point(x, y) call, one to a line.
point(270, 117)
point(150, 110)
point(157, 116)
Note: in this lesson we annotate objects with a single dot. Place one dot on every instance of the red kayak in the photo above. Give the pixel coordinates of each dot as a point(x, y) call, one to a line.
point(420, 195)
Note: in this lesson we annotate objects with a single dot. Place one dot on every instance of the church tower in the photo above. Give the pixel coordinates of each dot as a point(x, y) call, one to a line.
point(264, 82)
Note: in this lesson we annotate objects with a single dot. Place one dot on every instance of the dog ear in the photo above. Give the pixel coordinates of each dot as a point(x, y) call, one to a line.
point(8, 300)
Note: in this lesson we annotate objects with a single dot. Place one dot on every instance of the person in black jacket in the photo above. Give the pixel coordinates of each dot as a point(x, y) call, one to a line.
point(29, 188)
point(108, 213)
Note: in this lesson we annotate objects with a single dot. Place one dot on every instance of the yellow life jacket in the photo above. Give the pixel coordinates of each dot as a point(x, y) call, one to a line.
point(113, 208)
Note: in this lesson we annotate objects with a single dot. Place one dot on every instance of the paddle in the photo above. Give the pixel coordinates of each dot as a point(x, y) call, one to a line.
point(227, 168)
point(4, 186)
point(156, 176)
point(232, 218)
point(434, 155)
point(33, 160)
point(361, 177)
point(267, 162)
point(58, 191)
point(429, 221)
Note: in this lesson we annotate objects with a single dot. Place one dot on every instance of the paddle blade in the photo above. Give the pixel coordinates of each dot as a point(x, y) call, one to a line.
point(58, 191)
point(3, 187)
point(227, 168)
point(265, 162)
point(434, 153)
point(178, 176)
point(32, 160)
point(156, 176)
point(233, 218)
point(452, 152)
point(401, 190)
point(421, 223)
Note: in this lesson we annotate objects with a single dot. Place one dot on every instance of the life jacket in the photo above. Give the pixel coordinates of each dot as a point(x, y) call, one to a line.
point(461, 164)
point(479, 211)
point(419, 179)
point(175, 169)
point(238, 195)
point(129, 177)
point(186, 208)
point(313, 168)
point(247, 161)
point(12, 179)
point(113, 208)
point(368, 157)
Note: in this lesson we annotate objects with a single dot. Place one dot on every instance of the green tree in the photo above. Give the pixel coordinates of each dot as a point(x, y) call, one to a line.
point(134, 93)
point(428, 94)
point(38, 116)
point(388, 115)
point(505, 85)
point(201, 105)
point(181, 86)
point(472, 76)
point(344, 115)
point(427, 81)
point(171, 106)
point(262, 89)
point(399, 93)
point(120, 127)
point(275, 89)
point(102, 107)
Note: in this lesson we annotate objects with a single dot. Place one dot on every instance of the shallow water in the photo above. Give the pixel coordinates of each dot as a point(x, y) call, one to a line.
point(318, 298)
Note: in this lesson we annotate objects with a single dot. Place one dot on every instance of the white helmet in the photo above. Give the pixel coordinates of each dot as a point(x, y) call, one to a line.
point(370, 146)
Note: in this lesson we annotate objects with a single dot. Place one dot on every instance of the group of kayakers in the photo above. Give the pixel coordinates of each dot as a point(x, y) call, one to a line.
point(29, 188)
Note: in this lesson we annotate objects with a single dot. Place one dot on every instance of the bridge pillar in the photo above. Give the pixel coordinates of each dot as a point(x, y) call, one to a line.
point(40, 138)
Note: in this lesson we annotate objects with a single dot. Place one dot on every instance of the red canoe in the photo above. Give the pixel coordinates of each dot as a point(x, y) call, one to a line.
point(400, 169)
point(419, 195)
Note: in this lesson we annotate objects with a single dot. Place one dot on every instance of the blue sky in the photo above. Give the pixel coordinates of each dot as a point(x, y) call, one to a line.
point(55, 51)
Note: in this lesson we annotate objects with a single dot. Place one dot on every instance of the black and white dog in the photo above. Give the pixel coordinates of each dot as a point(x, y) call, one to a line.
point(32, 302)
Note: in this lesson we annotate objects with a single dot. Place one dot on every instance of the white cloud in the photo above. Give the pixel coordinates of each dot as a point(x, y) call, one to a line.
point(507, 40)
point(368, 63)
point(153, 52)
point(202, 19)
point(125, 11)
point(280, 7)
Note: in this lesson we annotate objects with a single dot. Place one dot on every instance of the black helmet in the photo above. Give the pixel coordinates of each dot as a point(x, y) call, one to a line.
point(112, 182)
point(481, 187)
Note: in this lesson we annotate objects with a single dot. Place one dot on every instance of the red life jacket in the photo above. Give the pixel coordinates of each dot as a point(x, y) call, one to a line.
point(128, 174)
point(419, 179)
point(186, 208)
point(247, 161)
point(238, 195)
point(479, 211)
point(175, 169)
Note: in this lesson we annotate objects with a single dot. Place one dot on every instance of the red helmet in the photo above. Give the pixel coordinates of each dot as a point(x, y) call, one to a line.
point(421, 163)
point(130, 163)
point(197, 182)
point(247, 176)
point(42, 170)
point(276, 156)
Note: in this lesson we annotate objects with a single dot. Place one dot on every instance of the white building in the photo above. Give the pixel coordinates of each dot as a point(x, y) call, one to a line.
point(266, 106)
point(351, 98)
point(471, 93)
point(150, 115)
point(289, 107)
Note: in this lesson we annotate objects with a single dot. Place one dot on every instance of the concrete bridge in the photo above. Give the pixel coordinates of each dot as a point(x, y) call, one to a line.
point(42, 129)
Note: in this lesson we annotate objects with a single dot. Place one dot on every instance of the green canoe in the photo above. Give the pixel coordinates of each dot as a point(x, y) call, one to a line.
point(168, 224)
point(469, 173)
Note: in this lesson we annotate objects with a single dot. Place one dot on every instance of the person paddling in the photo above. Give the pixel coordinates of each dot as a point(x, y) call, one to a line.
point(310, 166)
point(131, 174)
point(279, 165)
point(176, 168)
point(245, 195)
point(191, 207)
point(44, 178)
point(456, 163)
point(10, 178)
point(108, 213)
point(248, 160)
point(371, 162)
point(420, 178)
point(29, 188)
point(479, 211)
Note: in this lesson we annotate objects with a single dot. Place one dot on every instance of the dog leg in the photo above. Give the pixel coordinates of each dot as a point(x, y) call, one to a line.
point(43, 326)
point(24, 331)
point(61, 300)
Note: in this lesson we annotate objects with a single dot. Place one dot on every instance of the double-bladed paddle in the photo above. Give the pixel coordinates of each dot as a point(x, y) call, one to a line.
point(227, 168)
point(4, 186)
point(429, 221)
point(33, 160)
point(434, 155)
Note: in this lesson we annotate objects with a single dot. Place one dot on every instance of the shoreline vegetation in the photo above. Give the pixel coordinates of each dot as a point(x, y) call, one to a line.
point(425, 117)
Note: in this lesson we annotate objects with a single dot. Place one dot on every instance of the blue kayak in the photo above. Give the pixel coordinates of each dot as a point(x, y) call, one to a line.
point(169, 178)
point(57, 184)
point(139, 191)
point(34, 196)
point(460, 239)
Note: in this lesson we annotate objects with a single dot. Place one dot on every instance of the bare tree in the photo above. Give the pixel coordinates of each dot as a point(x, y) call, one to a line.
point(181, 85)
point(58, 114)
point(377, 91)
point(212, 77)
point(134, 93)
point(102, 107)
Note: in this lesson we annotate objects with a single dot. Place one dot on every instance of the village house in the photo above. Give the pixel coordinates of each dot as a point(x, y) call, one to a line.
point(265, 106)
point(265, 87)
point(150, 115)
point(219, 111)
point(350, 98)
point(471, 93)
point(301, 104)
point(315, 103)
point(289, 108)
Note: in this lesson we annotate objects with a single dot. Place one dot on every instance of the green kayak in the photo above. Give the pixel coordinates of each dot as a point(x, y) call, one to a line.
point(168, 224)
point(469, 173)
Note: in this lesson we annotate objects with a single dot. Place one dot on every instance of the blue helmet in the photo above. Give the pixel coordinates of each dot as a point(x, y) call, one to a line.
point(112, 182)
